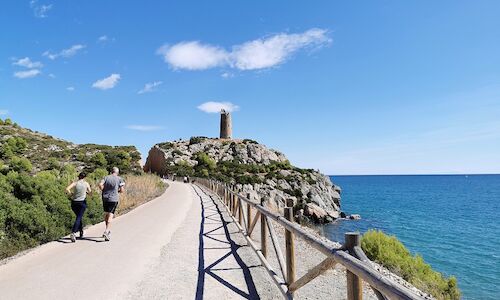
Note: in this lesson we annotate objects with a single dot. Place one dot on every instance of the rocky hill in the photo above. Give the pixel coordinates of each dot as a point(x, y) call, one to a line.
point(27, 149)
point(255, 169)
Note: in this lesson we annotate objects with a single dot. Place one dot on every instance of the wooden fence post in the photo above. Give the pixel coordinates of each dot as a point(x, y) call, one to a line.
point(263, 232)
point(354, 283)
point(249, 214)
point(240, 211)
point(290, 246)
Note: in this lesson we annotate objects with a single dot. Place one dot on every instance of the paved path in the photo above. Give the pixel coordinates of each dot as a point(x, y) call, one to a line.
point(178, 246)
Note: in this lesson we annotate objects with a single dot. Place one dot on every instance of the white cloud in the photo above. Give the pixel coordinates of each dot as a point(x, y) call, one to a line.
point(215, 107)
point(193, 56)
point(27, 74)
point(40, 10)
point(144, 127)
point(51, 56)
point(149, 87)
point(3, 112)
point(266, 53)
point(52, 75)
point(107, 83)
point(252, 55)
point(227, 75)
point(69, 52)
point(103, 38)
point(70, 88)
point(27, 63)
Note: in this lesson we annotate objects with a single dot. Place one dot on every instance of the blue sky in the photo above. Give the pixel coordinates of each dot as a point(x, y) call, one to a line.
point(373, 87)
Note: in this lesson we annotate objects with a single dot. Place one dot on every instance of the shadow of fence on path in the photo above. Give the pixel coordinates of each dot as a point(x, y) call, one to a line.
point(212, 213)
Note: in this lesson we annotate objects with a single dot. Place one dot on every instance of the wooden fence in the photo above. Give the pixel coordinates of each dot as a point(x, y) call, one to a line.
point(350, 255)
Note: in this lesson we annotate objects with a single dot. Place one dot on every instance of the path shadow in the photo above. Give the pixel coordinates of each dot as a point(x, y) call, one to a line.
point(211, 211)
point(67, 240)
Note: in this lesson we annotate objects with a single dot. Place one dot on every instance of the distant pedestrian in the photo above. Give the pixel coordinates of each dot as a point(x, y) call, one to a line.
point(78, 190)
point(110, 186)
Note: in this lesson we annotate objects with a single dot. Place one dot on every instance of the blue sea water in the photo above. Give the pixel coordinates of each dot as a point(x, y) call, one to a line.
point(453, 221)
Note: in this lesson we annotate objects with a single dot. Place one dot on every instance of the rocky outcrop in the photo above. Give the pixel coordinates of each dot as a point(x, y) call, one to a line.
point(254, 169)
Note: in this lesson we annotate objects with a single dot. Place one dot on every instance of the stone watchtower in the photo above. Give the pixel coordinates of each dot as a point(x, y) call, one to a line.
point(226, 128)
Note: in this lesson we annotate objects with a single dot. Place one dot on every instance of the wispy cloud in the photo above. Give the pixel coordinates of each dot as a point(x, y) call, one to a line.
point(40, 10)
point(107, 83)
point(69, 52)
point(27, 74)
point(27, 63)
point(252, 55)
point(193, 56)
point(216, 107)
point(149, 87)
point(144, 127)
point(4, 112)
point(103, 38)
point(70, 88)
point(227, 75)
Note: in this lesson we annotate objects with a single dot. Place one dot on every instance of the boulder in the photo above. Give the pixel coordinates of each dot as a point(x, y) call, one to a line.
point(315, 212)
point(355, 217)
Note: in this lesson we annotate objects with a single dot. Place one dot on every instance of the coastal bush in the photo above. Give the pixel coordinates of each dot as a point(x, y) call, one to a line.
point(166, 145)
point(204, 161)
point(392, 254)
point(20, 164)
point(249, 141)
point(196, 140)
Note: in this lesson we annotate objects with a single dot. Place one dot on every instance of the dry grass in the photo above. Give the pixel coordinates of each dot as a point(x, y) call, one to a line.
point(139, 190)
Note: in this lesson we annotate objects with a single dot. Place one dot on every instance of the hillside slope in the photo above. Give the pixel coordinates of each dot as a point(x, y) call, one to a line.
point(46, 152)
point(255, 169)
point(34, 171)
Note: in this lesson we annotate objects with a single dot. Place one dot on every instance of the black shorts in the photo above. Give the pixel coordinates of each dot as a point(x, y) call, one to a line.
point(109, 207)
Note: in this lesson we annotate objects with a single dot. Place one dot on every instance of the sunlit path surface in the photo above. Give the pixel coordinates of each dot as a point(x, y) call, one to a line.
point(176, 246)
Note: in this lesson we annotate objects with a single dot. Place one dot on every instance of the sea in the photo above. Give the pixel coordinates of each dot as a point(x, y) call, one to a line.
point(452, 221)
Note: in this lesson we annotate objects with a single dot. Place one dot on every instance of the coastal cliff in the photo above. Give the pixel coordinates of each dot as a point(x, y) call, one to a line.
point(254, 169)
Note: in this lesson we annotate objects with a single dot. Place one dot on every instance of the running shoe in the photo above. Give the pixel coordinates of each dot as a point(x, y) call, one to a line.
point(106, 236)
point(72, 236)
point(81, 234)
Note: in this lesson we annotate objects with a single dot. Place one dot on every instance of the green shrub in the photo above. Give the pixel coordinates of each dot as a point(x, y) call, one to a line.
point(166, 145)
point(20, 164)
point(249, 141)
point(392, 254)
point(99, 160)
point(177, 152)
point(295, 193)
point(196, 140)
point(204, 161)
point(246, 179)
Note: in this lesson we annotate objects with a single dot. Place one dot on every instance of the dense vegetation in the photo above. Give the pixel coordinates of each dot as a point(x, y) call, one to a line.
point(45, 152)
point(392, 254)
point(234, 171)
point(34, 172)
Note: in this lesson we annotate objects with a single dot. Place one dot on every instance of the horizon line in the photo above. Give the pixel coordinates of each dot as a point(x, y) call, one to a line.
point(435, 174)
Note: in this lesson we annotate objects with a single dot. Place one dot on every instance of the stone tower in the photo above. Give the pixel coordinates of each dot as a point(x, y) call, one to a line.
point(226, 128)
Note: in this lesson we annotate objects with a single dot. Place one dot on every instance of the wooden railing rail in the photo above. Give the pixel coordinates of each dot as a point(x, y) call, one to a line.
point(349, 255)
